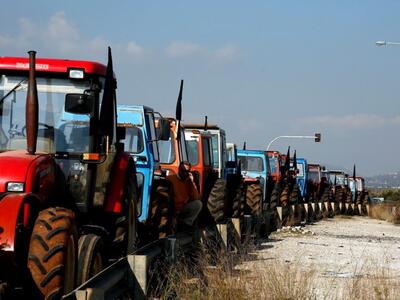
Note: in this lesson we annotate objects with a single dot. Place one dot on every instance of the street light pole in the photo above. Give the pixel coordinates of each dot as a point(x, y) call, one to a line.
point(316, 138)
point(386, 43)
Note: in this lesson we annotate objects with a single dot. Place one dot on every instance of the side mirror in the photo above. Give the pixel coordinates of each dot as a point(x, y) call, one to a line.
point(163, 130)
point(80, 104)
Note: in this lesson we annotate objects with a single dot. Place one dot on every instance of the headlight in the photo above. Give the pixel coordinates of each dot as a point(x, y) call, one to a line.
point(15, 187)
point(76, 73)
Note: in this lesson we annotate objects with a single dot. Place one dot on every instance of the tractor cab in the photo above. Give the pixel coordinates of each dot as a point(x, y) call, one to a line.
point(218, 144)
point(302, 175)
point(173, 150)
point(276, 162)
point(142, 140)
point(71, 124)
point(255, 166)
point(337, 178)
point(199, 146)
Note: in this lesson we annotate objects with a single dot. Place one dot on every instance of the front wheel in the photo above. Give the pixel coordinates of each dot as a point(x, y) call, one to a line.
point(90, 257)
point(254, 196)
point(53, 251)
point(217, 200)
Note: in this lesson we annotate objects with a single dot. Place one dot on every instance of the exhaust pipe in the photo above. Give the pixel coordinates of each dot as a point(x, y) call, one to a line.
point(32, 114)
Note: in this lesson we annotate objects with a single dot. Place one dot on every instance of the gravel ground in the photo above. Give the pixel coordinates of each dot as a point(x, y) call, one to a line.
point(338, 251)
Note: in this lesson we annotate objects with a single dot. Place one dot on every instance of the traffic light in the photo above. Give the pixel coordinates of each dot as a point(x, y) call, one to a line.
point(317, 137)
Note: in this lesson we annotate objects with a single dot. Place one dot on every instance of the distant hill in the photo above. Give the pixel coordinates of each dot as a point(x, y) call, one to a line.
point(391, 180)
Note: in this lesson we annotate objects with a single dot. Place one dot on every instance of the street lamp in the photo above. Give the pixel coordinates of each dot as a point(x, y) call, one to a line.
point(316, 137)
point(385, 43)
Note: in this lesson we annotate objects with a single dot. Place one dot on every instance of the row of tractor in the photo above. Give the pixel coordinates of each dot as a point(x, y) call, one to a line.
point(83, 180)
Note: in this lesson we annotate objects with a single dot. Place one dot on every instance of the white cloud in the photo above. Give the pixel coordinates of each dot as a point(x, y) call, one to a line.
point(134, 49)
point(352, 121)
point(177, 49)
point(4, 41)
point(227, 53)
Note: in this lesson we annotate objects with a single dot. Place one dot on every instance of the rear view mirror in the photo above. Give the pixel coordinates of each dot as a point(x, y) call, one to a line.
point(163, 129)
point(80, 104)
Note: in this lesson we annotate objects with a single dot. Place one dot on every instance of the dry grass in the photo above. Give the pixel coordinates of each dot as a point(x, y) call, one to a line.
point(386, 211)
point(230, 277)
point(223, 279)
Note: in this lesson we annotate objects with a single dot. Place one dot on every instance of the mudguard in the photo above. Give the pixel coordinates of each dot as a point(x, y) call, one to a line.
point(14, 209)
point(115, 192)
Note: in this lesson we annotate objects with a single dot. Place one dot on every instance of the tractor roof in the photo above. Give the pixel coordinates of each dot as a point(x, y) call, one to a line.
point(47, 65)
point(253, 152)
point(201, 126)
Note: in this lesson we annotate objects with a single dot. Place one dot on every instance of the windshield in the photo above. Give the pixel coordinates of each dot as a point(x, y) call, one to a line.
point(339, 178)
point(152, 135)
point(214, 145)
point(250, 163)
point(193, 153)
point(58, 131)
point(167, 150)
point(300, 170)
point(313, 176)
point(133, 141)
point(273, 162)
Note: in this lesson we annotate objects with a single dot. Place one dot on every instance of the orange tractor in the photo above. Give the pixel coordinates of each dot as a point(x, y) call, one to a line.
point(67, 203)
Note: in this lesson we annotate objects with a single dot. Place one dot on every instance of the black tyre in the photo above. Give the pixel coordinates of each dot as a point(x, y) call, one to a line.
point(326, 197)
point(295, 196)
point(160, 215)
point(284, 196)
point(126, 235)
point(275, 195)
point(254, 197)
point(238, 203)
point(216, 201)
point(53, 249)
point(90, 257)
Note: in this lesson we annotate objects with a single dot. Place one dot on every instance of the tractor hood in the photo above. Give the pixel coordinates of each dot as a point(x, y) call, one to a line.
point(14, 166)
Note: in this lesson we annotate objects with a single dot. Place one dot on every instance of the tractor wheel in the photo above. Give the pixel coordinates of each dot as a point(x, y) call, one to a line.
point(238, 203)
point(295, 196)
point(216, 201)
point(326, 198)
point(52, 258)
point(254, 195)
point(284, 196)
point(160, 217)
point(275, 196)
point(90, 257)
point(126, 227)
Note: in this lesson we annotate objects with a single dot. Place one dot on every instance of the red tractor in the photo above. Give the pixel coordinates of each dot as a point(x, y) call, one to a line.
point(68, 202)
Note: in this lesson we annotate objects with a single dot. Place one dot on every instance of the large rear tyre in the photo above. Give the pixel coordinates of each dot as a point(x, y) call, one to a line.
point(254, 196)
point(53, 251)
point(284, 196)
point(275, 195)
point(160, 215)
point(295, 196)
point(90, 257)
point(126, 235)
point(216, 201)
point(238, 203)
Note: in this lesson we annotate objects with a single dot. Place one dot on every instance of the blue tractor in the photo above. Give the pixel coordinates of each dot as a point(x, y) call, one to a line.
point(256, 172)
point(141, 141)
point(302, 177)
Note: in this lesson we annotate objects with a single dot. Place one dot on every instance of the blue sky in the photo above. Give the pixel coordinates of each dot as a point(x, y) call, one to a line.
point(257, 68)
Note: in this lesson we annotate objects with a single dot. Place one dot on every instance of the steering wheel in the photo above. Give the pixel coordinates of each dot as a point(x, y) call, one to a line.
point(48, 127)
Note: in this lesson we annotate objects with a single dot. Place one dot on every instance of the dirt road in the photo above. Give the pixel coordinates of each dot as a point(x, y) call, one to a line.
point(354, 258)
